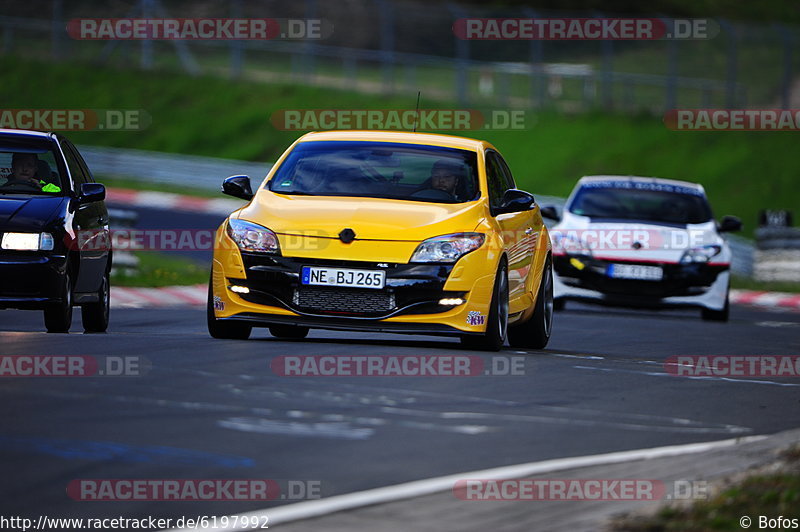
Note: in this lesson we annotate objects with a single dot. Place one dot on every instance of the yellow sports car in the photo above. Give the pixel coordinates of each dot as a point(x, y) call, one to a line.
point(387, 232)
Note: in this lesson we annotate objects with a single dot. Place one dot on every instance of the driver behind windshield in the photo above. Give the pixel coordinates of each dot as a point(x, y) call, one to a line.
point(445, 176)
point(24, 167)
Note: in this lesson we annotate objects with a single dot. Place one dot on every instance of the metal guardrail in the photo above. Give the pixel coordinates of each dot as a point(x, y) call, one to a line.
point(777, 257)
point(191, 171)
point(122, 260)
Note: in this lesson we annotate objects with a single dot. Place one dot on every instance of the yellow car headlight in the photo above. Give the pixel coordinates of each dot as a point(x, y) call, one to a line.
point(252, 237)
point(447, 248)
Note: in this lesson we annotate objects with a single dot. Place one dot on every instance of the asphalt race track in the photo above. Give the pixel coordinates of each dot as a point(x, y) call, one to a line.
point(216, 410)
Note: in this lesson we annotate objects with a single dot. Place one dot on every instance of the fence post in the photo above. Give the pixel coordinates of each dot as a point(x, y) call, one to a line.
point(237, 49)
point(730, 82)
point(147, 44)
point(387, 44)
point(462, 58)
point(536, 52)
point(786, 85)
point(606, 74)
point(672, 72)
point(57, 29)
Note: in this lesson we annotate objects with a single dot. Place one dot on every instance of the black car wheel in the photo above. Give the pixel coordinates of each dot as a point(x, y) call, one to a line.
point(288, 332)
point(497, 324)
point(535, 333)
point(718, 315)
point(224, 330)
point(95, 315)
point(58, 316)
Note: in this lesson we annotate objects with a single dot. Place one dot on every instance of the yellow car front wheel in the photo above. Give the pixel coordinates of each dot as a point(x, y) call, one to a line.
point(535, 333)
point(497, 324)
point(223, 329)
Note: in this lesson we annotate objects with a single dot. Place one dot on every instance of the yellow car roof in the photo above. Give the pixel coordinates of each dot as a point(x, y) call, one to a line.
point(430, 139)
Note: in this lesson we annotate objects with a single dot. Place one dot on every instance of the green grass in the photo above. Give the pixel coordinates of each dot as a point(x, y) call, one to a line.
point(743, 283)
point(160, 269)
point(762, 495)
point(742, 172)
point(133, 184)
point(759, 493)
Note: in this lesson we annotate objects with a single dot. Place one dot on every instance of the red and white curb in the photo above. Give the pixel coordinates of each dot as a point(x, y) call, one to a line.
point(170, 201)
point(168, 296)
point(765, 299)
point(195, 296)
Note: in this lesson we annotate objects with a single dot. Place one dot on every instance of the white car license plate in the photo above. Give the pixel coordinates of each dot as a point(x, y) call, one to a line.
point(313, 275)
point(635, 271)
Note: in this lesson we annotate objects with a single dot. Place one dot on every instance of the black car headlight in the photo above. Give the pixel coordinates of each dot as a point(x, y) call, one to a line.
point(700, 254)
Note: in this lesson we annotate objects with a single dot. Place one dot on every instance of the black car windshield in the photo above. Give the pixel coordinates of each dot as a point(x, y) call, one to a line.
point(379, 170)
point(29, 168)
point(633, 200)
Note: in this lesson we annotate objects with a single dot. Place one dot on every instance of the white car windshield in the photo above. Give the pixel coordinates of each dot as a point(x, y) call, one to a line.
point(651, 202)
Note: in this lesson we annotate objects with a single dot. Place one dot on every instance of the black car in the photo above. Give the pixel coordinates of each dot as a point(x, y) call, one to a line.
point(55, 248)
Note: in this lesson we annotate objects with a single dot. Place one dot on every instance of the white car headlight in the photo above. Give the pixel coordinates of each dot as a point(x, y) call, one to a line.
point(252, 237)
point(570, 243)
point(700, 254)
point(27, 241)
point(447, 248)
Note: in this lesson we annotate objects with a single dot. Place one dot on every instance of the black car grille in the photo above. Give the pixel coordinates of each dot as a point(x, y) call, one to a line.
point(353, 301)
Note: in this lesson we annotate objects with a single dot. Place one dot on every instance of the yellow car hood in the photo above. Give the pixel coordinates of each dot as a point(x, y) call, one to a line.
point(369, 218)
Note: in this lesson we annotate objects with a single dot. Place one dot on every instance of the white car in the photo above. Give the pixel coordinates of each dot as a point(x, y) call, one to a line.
point(641, 242)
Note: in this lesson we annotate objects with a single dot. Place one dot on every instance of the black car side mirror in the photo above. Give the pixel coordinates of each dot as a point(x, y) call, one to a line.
point(550, 212)
point(515, 200)
point(238, 186)
point(729, 224)
point(92, 192)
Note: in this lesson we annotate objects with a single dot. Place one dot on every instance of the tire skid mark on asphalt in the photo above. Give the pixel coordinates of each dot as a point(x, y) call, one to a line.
point(407, 396)
point(693, 377)
point(114, 451)
point(679, 425)
point(777, 324)
point(334, 430)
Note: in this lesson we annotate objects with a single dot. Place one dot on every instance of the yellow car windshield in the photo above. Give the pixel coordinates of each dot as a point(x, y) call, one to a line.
point(378, 170)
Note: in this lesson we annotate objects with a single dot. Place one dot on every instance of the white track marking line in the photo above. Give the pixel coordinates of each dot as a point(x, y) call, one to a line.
point(736, 380)
point(410, 490)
